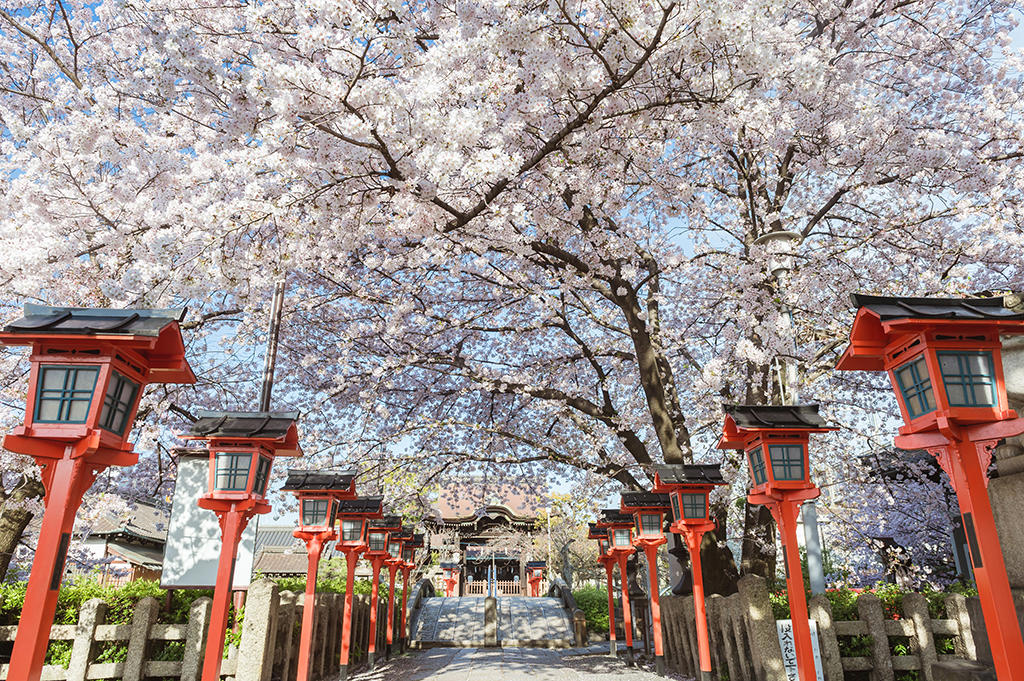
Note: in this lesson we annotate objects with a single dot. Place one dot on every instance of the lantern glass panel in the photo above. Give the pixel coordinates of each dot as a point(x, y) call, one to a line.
point(620, 537)
point(787, 461)
point(262, 476)
point(378, 541)
point(64, 393)
point(695, 506)
point(650, 524)
point(969, 378)
point(676, 515)
point(395, 549)
point(314, 512)
point(916, 387)
point(602, 546)
point(232, 471)
point(118, 403)
point(351, 529)
point(757, 471)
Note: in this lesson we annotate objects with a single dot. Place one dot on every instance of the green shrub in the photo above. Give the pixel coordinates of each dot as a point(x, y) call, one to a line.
point(593, 601)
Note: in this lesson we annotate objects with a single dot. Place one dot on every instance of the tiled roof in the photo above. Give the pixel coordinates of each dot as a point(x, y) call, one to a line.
point(536, 563)
point(462, 499)
point(318, 480)
point(684, 474)
point(270, 562)
point(1001, 307)
point(145, 556)
point(645, 500)
point(225, 424)
point(361, 505)
point(769, 416)
point(146, 522)
point(276, 537)
point(42, 319)
point(388, 522)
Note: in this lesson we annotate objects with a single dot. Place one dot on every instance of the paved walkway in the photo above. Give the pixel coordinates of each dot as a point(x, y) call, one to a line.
point(505, 664)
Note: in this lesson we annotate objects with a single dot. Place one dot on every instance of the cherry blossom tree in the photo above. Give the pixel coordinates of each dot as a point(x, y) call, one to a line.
point(531, 236)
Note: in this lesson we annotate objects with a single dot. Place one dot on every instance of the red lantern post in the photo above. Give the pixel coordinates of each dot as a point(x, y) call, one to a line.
point(648, 511)
point(620, 547)
point(600, 533)
point(688, 488)
point(242, 448)
point(353, 516)
point(88, 370)
point(377, 553)
point(451, 578)
point(408, 565)
point(944, 359)
point(775, 441)
point(393, 563)
point(535, 575)
point(318, 493)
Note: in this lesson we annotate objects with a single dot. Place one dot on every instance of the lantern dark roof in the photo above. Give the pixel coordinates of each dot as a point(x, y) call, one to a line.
point(402, 535)
point(42, 319)
point(614, 515)
point(302, 480)
point(644, 500)
point(686, 474)
point(362, 505)
point(417, 541)
point(536, 564)
point(768, 416)
point(388, 522)
point(1000, 307)
point(271, 425)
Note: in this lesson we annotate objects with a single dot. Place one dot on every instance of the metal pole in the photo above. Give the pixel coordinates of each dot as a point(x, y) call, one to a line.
point(812, 542)
point(273, 334)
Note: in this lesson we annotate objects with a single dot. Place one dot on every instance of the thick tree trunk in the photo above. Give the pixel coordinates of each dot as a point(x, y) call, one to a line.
point(14, 517)
point(758, 542)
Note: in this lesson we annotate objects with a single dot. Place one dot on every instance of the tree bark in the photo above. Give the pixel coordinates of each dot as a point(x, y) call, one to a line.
point(14, 517)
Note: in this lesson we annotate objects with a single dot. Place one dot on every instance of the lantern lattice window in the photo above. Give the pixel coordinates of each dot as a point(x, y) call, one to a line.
point(378, 541)
point(968, 378)
point(620, 537)
point(232, 473)
point(117, 403)
point(916, 386)
point(694, 506)
point(757, 466)
point(65, 393)
point(650, 523)
point(787, 462)
point(314, 511)
point(262, 476)
point(351, 529)
point(676, 514)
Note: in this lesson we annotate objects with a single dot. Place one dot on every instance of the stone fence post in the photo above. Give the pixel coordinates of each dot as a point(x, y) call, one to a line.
point(764, 636)
point(195, 639)
point(92, 614)
point(870, 610)
point(143, 619)
point(255, 650)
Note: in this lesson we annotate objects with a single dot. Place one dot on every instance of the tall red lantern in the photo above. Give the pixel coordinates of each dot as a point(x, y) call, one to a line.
point(535, 575)
point(377, 553)
point(450, 575)
point(620, 546)
point(599, 532)
point(318, 493)
point(354, 516)
point(648, 510)
point(396, 540)
point(944, 359)
point(407, 566)
point(242, 446)
point(88, 370)
point(775, 441)
point(688, 488)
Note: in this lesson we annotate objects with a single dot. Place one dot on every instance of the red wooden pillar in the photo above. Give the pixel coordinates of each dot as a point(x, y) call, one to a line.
point(651, 552)
point(785, 513)
point(232, 524)
point(392, 570)
point(66, 482)
point(609, 568)
point(351, 558)
point(314, 547)
point(371, 648)
point(403, 634)
point(693, 539)
point(627, 618)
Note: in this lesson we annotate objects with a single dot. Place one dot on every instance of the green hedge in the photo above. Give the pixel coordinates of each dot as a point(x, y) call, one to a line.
point(593, 601)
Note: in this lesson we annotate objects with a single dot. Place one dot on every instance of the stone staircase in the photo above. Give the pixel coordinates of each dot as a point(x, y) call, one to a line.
point(475, 622)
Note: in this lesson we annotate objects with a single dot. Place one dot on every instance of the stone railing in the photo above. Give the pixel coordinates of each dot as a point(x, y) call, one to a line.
point(560, 590)
point(745, 644)
point(267, 647)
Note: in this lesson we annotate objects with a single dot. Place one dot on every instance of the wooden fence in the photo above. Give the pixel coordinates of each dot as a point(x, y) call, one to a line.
point(744, 638)
point(267, 647)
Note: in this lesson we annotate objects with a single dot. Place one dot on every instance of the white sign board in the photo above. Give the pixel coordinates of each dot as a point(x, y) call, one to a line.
point(194, 538)
point(788, 645)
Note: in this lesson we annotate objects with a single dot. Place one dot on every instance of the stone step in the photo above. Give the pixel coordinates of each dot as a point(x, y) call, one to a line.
point(522, 621)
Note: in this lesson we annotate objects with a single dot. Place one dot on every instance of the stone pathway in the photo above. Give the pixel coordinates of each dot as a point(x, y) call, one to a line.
point(506, 664)
point(460, 621)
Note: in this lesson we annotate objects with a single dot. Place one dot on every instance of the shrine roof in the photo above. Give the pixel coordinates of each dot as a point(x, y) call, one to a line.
point(688, 474)
point(994, 308)
point(645, 500)
point(43, 319)
point(771, 416)
point(270, 425)
point(299, 480)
